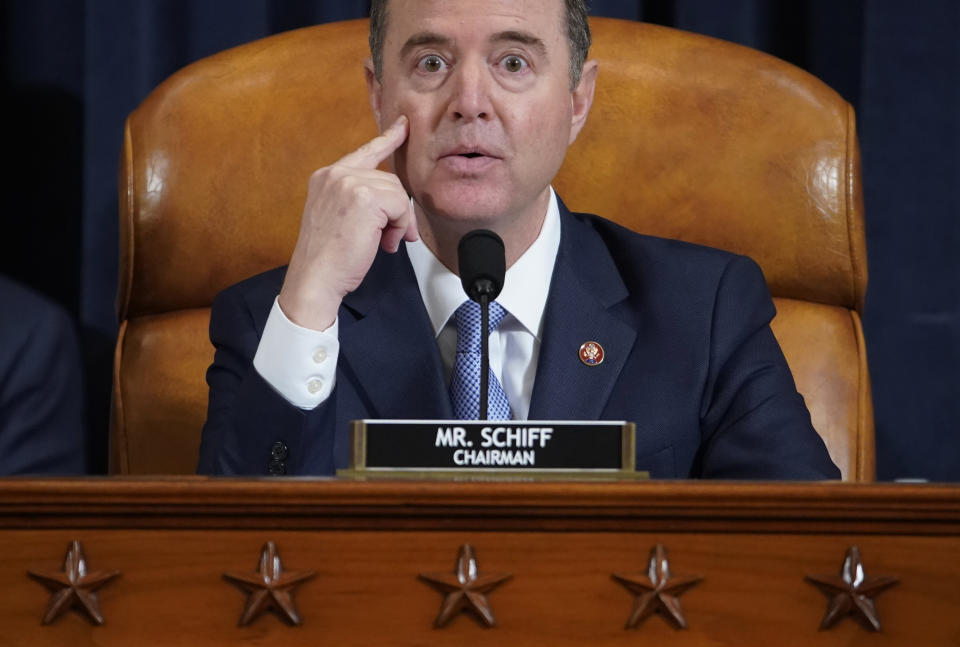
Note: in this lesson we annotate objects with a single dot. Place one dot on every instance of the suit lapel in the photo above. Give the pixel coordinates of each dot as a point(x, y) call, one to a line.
point(585, 286)
point(390, 352)
point(389, 349)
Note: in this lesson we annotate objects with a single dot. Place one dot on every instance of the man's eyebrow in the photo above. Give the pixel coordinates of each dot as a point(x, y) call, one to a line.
point(523, 37)
point(510, 36)
point(424, 38)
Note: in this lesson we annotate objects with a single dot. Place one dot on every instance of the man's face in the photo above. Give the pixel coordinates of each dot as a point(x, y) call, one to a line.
point(486, 87)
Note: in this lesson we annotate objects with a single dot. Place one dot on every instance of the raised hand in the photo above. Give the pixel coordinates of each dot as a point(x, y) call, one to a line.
point(352, 209)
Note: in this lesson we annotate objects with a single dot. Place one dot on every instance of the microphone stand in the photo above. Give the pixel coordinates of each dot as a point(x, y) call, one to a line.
point(482, 267)
point(484, 353)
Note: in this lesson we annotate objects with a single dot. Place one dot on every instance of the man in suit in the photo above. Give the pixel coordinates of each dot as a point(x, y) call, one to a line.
point(477, 102)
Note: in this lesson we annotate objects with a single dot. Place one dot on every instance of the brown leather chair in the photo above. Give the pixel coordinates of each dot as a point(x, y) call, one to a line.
point(689, 138)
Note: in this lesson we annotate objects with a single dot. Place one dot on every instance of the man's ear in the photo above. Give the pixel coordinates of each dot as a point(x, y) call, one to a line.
point(582, 97)
point(375, 91)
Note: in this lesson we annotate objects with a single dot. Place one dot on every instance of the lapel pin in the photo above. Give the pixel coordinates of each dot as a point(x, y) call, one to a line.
point(591, 353)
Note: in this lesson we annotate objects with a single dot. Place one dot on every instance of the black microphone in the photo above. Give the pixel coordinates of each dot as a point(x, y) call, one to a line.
point(482, 265)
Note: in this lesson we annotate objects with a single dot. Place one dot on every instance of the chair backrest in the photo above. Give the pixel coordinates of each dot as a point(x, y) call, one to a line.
point(689, 137)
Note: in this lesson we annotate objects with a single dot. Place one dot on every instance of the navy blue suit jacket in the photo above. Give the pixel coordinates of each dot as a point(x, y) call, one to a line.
point(41, 387)
point(689, 357)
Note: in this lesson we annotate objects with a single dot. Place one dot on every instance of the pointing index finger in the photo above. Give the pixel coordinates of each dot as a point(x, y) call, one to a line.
point(379, 148)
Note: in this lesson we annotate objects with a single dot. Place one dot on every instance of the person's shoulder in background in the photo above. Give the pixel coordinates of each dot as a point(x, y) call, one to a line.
point(41, 386)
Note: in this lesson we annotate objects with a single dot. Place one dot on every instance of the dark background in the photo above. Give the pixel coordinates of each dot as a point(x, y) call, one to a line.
point(73, 69)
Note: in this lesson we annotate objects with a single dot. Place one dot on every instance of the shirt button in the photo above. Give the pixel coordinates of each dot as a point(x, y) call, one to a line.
point(319, 355)
point(314, 386)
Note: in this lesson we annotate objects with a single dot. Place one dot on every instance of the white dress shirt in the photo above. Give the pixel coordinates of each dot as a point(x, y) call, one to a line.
point(301, 363)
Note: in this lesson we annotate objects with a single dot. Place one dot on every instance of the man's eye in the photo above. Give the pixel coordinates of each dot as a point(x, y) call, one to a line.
point(513, 64)
point(431, 64)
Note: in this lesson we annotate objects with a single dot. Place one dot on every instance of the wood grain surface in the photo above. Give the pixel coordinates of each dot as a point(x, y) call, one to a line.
point(172, 539)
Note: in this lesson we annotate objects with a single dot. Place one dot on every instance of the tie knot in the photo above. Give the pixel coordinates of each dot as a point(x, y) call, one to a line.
point(468, 324)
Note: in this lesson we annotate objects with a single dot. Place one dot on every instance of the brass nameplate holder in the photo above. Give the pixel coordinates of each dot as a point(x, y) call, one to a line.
point(493, 449)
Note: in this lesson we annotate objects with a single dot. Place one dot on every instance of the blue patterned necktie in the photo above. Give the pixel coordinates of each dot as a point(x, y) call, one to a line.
point(465, 385)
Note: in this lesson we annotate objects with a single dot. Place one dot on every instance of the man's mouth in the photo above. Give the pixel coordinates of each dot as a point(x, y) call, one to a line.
point(470, 151)
point(470, 154)
point(468, 161)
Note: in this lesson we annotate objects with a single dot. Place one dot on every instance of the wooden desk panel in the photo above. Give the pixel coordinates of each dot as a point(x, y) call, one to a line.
point(367, 542)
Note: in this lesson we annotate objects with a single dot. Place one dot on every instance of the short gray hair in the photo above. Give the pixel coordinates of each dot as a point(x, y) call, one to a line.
point(578, 33)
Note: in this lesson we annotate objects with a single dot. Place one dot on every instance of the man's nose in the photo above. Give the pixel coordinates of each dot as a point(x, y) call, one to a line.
point(471, 92)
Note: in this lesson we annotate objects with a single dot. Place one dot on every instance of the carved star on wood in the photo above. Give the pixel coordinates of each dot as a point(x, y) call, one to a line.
point(465, 588)
point(269, 588)
point(657, 590)
point(74, 587)
point(851, 592)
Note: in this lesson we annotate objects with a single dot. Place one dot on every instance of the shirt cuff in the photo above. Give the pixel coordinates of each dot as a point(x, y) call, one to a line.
point(299, 363)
